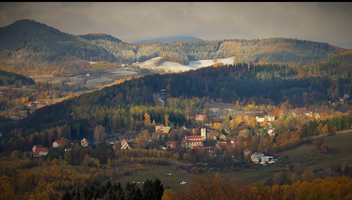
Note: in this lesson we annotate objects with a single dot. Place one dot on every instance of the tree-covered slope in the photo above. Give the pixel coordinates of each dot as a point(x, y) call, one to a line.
point(49, 42)
point(119, 106)
point(10, 78)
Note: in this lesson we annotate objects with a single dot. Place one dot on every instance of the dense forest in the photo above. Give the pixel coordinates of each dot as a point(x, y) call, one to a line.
point(10, 78)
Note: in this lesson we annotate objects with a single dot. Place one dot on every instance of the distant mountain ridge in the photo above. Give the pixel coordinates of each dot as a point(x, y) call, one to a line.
point(31, 40)
point(168, 39)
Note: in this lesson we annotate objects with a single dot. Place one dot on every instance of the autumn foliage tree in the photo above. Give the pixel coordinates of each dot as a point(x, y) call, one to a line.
point(99, 133)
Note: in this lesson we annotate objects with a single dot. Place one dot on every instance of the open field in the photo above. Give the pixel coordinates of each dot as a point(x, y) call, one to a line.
point(303, 157)
point(306, 156)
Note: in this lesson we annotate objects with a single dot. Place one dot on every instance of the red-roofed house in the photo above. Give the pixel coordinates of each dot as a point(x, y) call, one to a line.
point(221, 146)
point(35, 147)
point(232, 140)
point(172, 144)
point(200, 117)
point(68, 149)
point(247, 153)
point(30, 104)
point(191, 141)
point(40, 151)
point(56, 143)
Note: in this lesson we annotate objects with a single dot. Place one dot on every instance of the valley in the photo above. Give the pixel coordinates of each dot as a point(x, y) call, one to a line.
point(81, 114)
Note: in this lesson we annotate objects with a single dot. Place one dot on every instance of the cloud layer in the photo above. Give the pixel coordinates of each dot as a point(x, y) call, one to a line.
point(323, 22)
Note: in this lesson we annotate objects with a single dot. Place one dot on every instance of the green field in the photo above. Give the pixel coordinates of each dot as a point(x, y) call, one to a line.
point(306, 156)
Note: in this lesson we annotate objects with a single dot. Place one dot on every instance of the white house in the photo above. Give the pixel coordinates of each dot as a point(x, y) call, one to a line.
point(259, 119)
point(56, 143)
point(270, 117)
point(84, 142)
point(192, 141)
point(271, 132)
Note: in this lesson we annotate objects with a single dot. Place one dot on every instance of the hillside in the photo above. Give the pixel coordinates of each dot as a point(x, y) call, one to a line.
point(10, 78)
point(47, 43)
point(36, 41)
point(168, 39)
point(262, 84)
point(336, 66)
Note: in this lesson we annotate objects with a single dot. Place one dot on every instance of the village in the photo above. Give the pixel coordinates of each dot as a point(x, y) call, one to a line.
point(205, 135)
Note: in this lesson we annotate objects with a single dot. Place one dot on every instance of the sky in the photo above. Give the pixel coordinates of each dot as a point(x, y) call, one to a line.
point(133, 21)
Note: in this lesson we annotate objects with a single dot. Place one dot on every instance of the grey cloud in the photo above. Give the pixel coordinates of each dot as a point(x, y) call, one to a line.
point(131, 21)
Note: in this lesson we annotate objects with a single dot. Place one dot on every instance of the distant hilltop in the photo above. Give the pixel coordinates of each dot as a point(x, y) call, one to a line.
point(169, 39)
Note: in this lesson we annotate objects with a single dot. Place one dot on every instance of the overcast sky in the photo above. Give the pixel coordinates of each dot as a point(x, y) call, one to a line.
point(323, 22)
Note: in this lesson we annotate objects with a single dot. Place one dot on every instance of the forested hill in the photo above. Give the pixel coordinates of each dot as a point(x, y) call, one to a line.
point(337, 66)
point(11, 78)
point(168, 39)
point(120, 106)
point(40, 42)
point(47, 43)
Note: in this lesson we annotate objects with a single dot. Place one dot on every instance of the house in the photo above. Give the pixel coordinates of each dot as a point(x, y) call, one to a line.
point(259, 119)
point(172, 144)
point(40, 151)
point(270, 117)
point(271, 132)
point(316, 116)
point(191, 141)
point(309, 114)
point(247, 153)
point(30, 104)
point(267, 159)
point(124, 144)
point(232, 140)
point(270, 124)
point(221, 146)
point(84, 142)
point(68, 149)
point(227, 130)
point(56, 143)
point(257, 155)
point(342, 98)
point(36, 146)
point(200, 117)
point(162, 129)
point(293, 114)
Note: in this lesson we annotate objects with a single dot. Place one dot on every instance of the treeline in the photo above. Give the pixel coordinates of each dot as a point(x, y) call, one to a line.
point(11, 78)
point(47, 43)
point(215, 187)
point(328, 126)
point(151, 189)
point(337, 66)
point(111, 106)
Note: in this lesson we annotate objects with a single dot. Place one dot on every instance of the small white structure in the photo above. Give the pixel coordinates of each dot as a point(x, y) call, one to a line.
point(259, 119)
point(56, 143)
point(183, 182)
point(271, 132)
point(169, 174)
point(84, 142)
